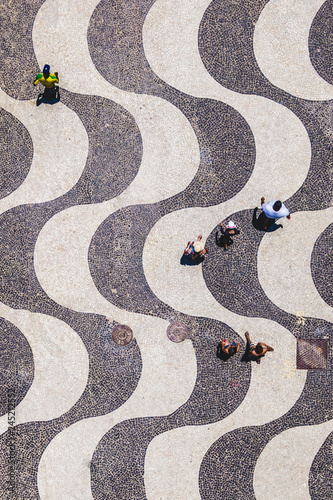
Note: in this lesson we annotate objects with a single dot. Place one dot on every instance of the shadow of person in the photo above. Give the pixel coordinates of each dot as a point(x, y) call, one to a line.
point(259, 223)
point(246, 356)
point(48, 97)
point(219, 239)
point(273, 227)
point(222, 240)
point(187, 261)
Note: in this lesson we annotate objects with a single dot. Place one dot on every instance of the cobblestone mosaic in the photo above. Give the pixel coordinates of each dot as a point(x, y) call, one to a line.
point(174, 124)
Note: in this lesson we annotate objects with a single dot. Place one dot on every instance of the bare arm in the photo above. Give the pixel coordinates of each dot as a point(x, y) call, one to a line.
point(268, 348)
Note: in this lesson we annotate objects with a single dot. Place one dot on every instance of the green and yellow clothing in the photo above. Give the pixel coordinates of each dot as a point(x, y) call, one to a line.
point(47, 82)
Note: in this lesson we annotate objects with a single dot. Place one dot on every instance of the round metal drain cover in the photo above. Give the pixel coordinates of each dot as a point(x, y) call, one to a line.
point(177, 331)
point(122, 335)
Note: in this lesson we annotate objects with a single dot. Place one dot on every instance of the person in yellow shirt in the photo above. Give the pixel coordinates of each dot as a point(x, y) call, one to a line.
point(48, 80)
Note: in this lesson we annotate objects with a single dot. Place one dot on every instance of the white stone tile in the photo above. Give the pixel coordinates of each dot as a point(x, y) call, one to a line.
point(284, 265)
point(176, 456)
point(61, 366)
point(60, 150)
point(283, 468)
point(281, 48)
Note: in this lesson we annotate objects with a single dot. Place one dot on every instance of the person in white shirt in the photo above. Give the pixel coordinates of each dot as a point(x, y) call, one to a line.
point(273, 210)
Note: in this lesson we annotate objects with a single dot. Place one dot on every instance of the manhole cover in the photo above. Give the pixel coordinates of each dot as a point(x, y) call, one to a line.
point(311, 354)
point(177, 331)
point(122, 335)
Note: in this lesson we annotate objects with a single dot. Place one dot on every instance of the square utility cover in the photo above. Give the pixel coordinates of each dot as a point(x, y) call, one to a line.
point(312, 354)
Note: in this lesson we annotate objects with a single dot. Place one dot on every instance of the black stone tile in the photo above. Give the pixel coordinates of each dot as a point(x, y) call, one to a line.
point(19, 65)
point(322, 265)
point(16, 366)
point(16, 150)
point(321, 41)
point(227, 469)
point(320, 477)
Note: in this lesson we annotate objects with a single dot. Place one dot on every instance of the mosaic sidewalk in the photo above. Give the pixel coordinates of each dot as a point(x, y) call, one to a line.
point(174, 116)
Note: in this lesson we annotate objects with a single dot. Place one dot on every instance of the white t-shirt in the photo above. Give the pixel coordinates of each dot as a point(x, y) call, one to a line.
point(270, 212)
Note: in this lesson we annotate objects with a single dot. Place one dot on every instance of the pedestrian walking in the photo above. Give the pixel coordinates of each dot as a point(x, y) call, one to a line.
point(226, 233)
point(48, 80)
point(273, 210)
point(226, 349)
point(254, 352)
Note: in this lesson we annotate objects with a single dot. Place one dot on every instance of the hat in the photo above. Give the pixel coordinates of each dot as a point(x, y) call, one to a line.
point(231, 225)
point(46, 69)
point(198, 246)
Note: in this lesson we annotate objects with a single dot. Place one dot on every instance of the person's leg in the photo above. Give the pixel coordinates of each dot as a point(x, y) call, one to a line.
point(265, 222)
point(246, 355)
point(49, 93)
point(270, 222)
point(265, 218)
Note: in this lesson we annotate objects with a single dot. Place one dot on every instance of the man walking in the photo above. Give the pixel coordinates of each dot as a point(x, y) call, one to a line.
point(48, 80)
point(256, 352)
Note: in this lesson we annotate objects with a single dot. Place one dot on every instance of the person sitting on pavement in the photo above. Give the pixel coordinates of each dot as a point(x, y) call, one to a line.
point(195, 249)
point(258, 351)
point(199, 248)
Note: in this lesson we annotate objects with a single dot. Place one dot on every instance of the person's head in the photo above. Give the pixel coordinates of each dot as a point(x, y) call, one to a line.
point(46, 71)
point(232, 350)
point(259, 349)
point(231, 225)
point(277, 205)
point(198, 246)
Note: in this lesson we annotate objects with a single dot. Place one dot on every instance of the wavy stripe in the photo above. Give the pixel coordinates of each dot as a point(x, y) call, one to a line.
point(177, 455)
point(288, 251)
point(322, 265)
point(240, 449)
point(60, 152)
point(281, 48)
point(168, 140)
point(168, 376)
point(61, 366)
point(16, 153)
point(283, 467)
point(16, 366)
point(171, 47)
point(320, 484)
